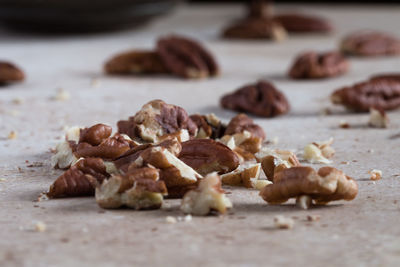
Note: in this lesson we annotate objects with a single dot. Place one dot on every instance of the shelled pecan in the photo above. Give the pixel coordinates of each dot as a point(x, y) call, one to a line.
point(209, 126)
point(241, 123)
point(10, 73)
point(301, 23)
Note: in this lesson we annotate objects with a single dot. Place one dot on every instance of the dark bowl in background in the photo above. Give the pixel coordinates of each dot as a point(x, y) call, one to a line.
point(80, 15)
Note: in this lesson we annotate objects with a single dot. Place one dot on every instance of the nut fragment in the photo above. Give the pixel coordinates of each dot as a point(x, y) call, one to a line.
point(304, 202)
point(64, 156)
point(207, 197)
point(378, 118)
point(76, 180)
point(275, 160)
point(319, 152)
point(243, 144)
point(312, 65)
point(245, 175)
point(370, 43)
point(261, 99)
point(10, 73)
point(155, 120)
point(282, 222)
point(12, 135)
point(138, 189)
point(186, 58)
point(209, 126)
point(301, 23)
point(241, 123)
point(135, 62)
point(328, 184)
point(375, 174)
point(95, 134)
point(207, 156)
point(381, 94)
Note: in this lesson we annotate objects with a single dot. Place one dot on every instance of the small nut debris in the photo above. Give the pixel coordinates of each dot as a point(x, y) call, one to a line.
point(243, 144)
point(245, 175)
point(170, 220)
point(12, 135)
point(319, 152)
point(313, 65)
point(10, 73)
point(261, 99)
point(62, 95)
point(304, 202)
point(375, 174)
point(40, 227)
point(282, 222)
point(313, 218)
point(207, 197)
point(328, 184)
point(241, 123)
point(64, 156)
point(370, 43)
point(302, 23)
point(378, 118)
point(209, 126)
point(344, 124)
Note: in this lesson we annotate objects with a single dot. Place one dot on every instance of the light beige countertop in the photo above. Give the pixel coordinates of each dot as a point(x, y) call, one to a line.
point(363, 232)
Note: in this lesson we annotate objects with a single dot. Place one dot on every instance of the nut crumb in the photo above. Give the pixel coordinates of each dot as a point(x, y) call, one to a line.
point(12, 135)
point(274, 140)
point(95, 83)
point(42, 197)
point(40, 227)
point(319, 152)
point(313, 218)
point(61, 95)
point(170, 219)
point(282, 222)
point(3, 179)
point(304, 202)
point(344, 124)
point(17, 101)
point(378, 118)
point(188, 218)
point(375, 174)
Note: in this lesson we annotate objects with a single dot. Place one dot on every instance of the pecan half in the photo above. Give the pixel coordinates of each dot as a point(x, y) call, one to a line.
point(261, 99)
point(206, 156)
point(241, 123)
point(95, 134)
point(186, 58)
point(255, 28)
point(135, 62)
point(10, 73)
point(155, 120)
point(76, 180)
point(209, 126)
point(381, 94)
point(259, 8)
point(370, 43)
point(387, 76)
point(312, 65)
point(300, 23)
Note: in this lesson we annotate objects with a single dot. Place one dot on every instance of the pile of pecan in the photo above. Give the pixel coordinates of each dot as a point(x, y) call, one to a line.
point(174, 54)
point(161, 152)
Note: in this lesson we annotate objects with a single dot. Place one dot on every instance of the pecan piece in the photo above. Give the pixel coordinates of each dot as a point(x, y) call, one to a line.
point(328, 184)
point(300, 23)
point(312, 65)
point(186, 58)
point(370, 43)
point(155, 120)
point(255, 28)
point(10, 73)
point(245, 175)
point(383, 94)
point(261, 99)
point(206, 156)
point(241, 123)
point(209, 126)
point(259, 9)
point(387, 76)
point(76, 180)
point(95, 134)
point(135, 62)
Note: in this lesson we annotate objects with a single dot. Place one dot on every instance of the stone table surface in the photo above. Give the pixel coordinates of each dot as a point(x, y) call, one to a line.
point(363, 232)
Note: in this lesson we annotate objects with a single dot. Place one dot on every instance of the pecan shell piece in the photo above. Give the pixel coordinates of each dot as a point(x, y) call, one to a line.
point(255, 28)
point(10, 73)
point(207, 156)
point(186, 58)
point(370, 43)
point(76, 180)
point(261, 99)
point(312, 65)
point(135, 62)
point(95, 134)
point(241, 123)
point(300, 23)
point(381, 94)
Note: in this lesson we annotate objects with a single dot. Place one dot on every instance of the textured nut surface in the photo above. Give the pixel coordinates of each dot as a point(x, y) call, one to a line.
point(186, 58)
point(95, 135)
point(378, 118)
point(207, 197)
point(328, 184)
point(75, 181)
point(383, 94)
point(245, 175)
point(209, 126)
point(261, 99)
point(155, 120)
point(10, 73)
point(313, 65)
point(241, 123)
point(255, 28)
point(206, 156)
point(370, 43)
point(301, 23)
point(135, 62)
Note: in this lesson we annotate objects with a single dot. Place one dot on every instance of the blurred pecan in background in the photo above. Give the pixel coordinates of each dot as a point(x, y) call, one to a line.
point(10, 73)
point(299, 23)
point(381, 94)
point(136, 61)
point(255, 28)
point(186, 58)
point(261, 99)
point(313, 65)
point(370, 43)
point(387, 76)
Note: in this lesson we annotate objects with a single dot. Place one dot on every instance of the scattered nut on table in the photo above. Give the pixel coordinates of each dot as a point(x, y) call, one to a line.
point(319, 152)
